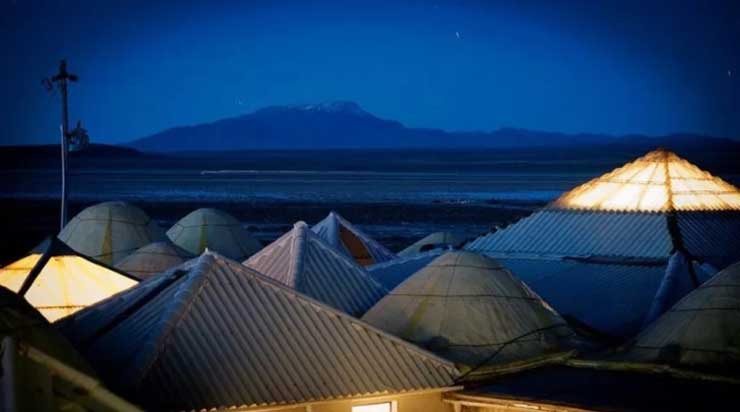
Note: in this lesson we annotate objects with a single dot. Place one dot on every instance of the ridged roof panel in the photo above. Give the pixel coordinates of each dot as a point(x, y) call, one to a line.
point(220, 335)
point(302, 260)
point(581, 233)
point(612, 298)
point(330, 228)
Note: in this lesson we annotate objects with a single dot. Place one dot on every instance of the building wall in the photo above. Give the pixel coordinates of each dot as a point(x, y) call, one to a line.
point(428, 402)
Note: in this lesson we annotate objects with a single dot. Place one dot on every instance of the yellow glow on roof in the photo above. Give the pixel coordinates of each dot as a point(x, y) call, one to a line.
point(657, 182)
point(65, 285)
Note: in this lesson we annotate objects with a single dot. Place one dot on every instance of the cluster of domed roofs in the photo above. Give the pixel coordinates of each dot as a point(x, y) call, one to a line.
point(622, 270)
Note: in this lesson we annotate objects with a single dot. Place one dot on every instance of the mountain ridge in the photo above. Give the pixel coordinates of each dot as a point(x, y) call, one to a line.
point(345, 125)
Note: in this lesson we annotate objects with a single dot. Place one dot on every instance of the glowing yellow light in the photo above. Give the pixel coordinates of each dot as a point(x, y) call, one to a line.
point(376, 407)
point(65, 284)
point(658, 181)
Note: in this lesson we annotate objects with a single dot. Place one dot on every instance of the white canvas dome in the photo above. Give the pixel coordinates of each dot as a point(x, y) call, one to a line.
point(215, 230)
point(110, 231)
point(470, 309)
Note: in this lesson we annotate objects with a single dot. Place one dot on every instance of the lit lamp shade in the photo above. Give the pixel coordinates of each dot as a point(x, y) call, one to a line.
point(58, 282)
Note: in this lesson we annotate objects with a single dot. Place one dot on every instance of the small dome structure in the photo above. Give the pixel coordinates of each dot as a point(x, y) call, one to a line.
point(701, 331)
point(153, 258)
point(470, 309)
point(110, 231)
point(215, 230)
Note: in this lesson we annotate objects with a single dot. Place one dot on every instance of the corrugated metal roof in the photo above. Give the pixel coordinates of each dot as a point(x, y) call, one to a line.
point(391, 273)
point(216, 334)
point(712, 236)
point(612, 298)
point(329, 229)
point(582, 233)
point(302, 260)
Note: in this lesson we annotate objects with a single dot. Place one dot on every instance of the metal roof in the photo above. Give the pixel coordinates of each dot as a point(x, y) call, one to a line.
point(581, 233)
point(302, 260)
point(216, 334)
point(329, 229)
point(612, 298)
point(392, 272)
point(711, 236)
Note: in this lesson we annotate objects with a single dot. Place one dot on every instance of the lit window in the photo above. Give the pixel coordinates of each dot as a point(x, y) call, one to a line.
point(376, 407)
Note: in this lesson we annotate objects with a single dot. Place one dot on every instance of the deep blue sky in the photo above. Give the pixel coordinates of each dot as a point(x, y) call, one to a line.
point(577, 66)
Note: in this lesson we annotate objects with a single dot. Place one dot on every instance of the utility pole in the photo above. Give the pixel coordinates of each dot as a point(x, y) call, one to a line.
point(77, 137)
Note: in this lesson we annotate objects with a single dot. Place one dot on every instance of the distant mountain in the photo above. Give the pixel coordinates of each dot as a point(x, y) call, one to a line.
point(345, 125)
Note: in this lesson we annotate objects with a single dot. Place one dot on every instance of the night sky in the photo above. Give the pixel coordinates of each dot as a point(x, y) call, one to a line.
point(578, 66)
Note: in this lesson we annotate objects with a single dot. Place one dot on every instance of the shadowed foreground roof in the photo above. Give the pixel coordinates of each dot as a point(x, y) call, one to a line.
point(349, 239)
point(301, 260)
point(216, 334)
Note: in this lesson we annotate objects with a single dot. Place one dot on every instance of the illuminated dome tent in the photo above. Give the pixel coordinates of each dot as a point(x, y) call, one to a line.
point(215, 230)
point(302, 260)
point(110, 231)
point(620, 249)
point(350, 240)
point(701, 331)
point(153, 258)
point(468, 308)
point(434, 241)
point(58, 281)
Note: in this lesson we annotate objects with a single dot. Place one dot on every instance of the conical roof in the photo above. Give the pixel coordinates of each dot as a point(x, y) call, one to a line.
point(215, 230)
point(59, 281)
point(302, 260)
point(153, 259)
point(472, 310)
point(701, 330)
point(612, 240)
point(434, 240)
point(659, 181)
point(110, 231)
point(214, 334)
point(350, 240)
